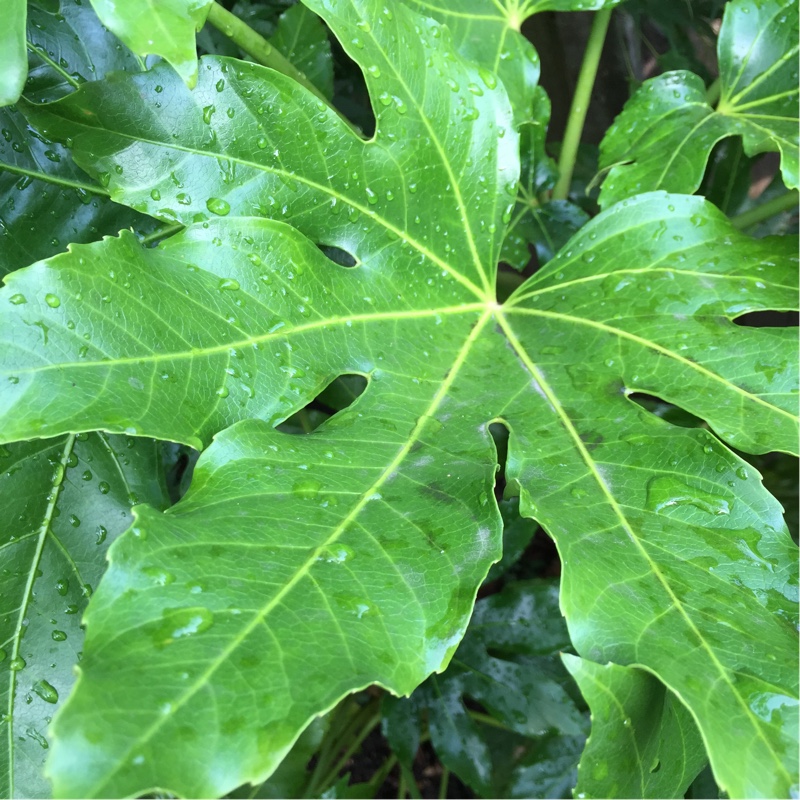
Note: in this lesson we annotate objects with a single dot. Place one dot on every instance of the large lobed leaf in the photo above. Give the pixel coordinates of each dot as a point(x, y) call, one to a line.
point(62, 502)
point(13, 57)
point(665, 134)
point(352, 555)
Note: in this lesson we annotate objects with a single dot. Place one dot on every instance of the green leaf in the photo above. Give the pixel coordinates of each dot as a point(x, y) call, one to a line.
point(302, 38)
point(46, 201)
point(13, 54)
point(61, 59)
point(62, 502)
point(240, 321)
point(664, 135)
point(644, 743)
point(488, 33)
point(546, 225)
point(165, 28)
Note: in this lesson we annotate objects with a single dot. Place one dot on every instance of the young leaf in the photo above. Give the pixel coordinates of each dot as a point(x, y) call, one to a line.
point(165, 29)
point(240, 318)
point(664, 135)
point(62, 502)
point(644, 742)
point(545, 225)
point(13, 54)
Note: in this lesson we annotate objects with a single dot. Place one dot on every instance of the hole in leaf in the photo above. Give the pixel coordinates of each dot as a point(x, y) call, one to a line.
point(338, 256)
point(666, 411)
point(499, 433)
point(768, 319)
point(350, 94)
point(339, 394)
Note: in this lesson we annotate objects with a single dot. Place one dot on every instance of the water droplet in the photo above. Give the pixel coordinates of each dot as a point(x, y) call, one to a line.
point(666, 492)
point(207, 113)
point(103, 487)
point(228, 285)
point(218, 206)
point(16, 664)
point(307, 488)
point(181, 623)
point(58, 636)
point(52, 300)
point(155, 194)
point(17, 299)
point(62, 586)
point(335, 554)
point(46, 691)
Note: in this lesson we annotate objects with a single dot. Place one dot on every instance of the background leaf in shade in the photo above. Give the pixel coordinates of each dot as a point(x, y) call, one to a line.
point(665, 133)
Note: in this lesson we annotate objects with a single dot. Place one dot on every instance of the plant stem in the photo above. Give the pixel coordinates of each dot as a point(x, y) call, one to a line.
point(784, 202)
point(580, 103)
point(256, 46)
point(365, 731)
point(443, 783)
point(713, 92)
point(161, 233)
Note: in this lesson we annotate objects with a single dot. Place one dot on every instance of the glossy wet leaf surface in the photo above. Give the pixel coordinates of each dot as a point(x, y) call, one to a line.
point(64, 501)
point(663, 138)
point(644, 742)
point(166, 28)
point(363, 543)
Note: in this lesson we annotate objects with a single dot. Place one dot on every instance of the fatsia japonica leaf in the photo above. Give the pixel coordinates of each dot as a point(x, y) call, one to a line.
point(664, 135)
point(302, 38)
point(488, 33)
point(644, 742)
point(13, 53)
point(365, 540)
point(163, 28)
point(46, 201)
point(63, 501)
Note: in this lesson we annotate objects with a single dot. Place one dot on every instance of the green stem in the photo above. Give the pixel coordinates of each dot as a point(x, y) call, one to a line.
point(784, 202)
point(713, 92)
point(409, 782)
point(580, 103)
point(443, 783)
point(161, 233)
point(256, 46)
point(366, 729)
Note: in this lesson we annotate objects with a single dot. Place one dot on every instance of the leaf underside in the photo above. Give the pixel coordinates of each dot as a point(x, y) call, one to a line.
point(298, 568)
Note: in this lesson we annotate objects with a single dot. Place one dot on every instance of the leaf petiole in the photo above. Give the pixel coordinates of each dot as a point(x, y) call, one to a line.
point(784, 202)
point(580, 103)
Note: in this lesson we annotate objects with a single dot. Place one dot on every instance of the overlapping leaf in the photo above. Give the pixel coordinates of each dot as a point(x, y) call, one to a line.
point(352, 555)
point(165, 28)
point(63, 501)
point(644, 743)
point(13, 55)
point(665, 133)
point(508, 663)
point(488, 33)
point(46, 202)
